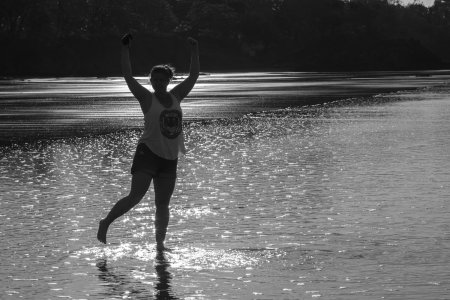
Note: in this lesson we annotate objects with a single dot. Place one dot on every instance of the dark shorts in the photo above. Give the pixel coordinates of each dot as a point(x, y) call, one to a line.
point(148, 162)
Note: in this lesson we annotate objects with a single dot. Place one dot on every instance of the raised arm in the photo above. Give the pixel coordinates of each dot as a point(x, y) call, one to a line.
point(140, 92)
point(182, 89)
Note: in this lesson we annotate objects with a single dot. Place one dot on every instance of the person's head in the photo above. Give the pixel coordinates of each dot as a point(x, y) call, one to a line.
point(160, 77)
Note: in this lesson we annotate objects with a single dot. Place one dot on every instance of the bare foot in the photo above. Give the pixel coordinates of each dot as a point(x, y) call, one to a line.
point(102, 230)
point(161, 248)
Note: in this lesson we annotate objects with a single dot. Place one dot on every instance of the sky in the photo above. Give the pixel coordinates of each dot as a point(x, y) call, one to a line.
point(425, 2)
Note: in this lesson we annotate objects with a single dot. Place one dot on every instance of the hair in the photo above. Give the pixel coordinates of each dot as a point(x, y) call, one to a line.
point(164, 69)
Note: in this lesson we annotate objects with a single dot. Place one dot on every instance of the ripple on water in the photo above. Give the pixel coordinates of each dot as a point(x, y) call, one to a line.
point(190, 257)
point(341, 201)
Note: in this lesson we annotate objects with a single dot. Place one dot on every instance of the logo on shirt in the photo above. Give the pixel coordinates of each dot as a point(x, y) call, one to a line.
point(170, 122)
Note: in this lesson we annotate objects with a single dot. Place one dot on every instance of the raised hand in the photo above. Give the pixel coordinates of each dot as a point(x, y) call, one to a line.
point(126, 39)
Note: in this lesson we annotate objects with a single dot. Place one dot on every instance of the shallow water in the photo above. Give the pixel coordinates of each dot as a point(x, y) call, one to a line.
point(66, 107)
point(345, 200)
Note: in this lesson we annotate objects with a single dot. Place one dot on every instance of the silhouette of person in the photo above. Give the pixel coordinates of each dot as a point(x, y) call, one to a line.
point(160, 145)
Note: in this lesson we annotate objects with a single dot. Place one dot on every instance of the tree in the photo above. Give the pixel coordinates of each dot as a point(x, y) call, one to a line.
point(14, 17)
point(213, 19)
point(440, 13)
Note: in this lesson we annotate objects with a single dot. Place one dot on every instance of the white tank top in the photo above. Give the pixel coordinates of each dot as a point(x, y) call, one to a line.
point(163, 129)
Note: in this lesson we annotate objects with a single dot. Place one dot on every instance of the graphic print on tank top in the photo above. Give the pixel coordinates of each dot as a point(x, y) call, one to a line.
point(170, 122)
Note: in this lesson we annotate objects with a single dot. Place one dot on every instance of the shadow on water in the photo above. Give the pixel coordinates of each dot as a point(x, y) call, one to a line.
point(121, 285)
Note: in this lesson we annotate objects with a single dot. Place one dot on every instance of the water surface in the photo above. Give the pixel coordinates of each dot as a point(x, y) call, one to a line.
point(345, 200)
point(63, 107)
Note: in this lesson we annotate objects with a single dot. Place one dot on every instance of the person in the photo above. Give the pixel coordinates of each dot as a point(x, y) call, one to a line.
point(161, 143)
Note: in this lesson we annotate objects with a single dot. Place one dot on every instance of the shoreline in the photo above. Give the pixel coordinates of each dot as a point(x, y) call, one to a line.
point(67, 115)
point(45, 137)
point(445, 70)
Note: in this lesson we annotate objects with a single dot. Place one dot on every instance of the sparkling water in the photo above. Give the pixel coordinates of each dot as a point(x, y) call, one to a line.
point(345, 200)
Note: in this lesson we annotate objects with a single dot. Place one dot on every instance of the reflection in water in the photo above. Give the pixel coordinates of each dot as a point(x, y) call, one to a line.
point(117, 284)
point(163, 287)
point(124, 286)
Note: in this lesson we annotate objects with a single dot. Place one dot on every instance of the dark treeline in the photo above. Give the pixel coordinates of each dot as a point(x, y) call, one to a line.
point(82, 37)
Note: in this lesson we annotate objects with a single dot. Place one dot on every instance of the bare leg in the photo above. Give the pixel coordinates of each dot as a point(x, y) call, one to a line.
point(163, 192)
point(139, 186)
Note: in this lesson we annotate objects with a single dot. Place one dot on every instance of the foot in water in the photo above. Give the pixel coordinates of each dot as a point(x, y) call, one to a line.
point(161, 248)
point(102, 230)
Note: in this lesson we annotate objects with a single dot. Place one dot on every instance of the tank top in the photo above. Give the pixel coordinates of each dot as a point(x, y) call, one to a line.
point(163, 129)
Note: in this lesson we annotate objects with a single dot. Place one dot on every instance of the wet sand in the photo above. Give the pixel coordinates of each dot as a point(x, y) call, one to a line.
point(63, 107)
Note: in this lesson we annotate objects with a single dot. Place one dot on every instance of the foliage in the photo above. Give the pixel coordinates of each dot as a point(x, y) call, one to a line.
point(70, 37)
